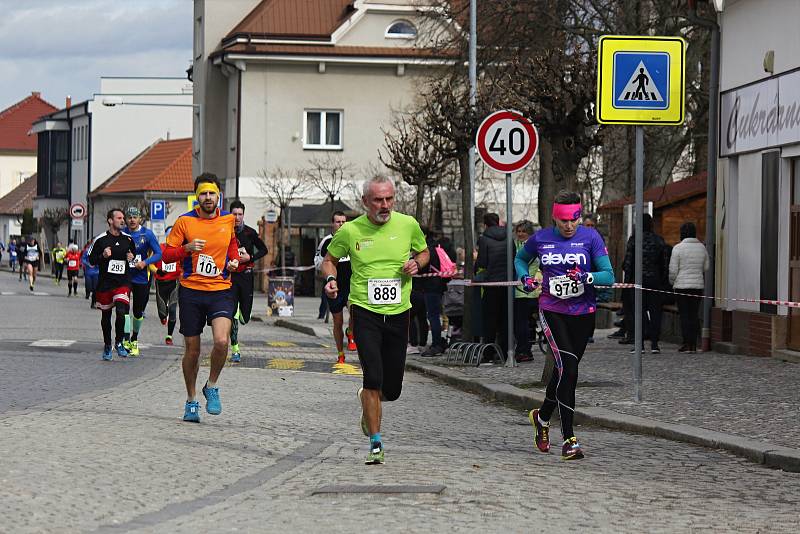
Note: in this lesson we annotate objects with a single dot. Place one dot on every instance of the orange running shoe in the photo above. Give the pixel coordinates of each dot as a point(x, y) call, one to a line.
point(341, 358)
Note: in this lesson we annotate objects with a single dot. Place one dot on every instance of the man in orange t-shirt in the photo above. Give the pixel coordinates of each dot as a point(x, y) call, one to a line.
point(204, 241)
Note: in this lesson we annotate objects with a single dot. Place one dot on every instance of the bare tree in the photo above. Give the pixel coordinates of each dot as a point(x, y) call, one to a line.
point(280, 187)
point(418, 158)
point(329, 175)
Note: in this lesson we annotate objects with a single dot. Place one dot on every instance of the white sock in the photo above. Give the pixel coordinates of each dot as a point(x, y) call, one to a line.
point(543, 423)
point(211, 384)
point(189, 399)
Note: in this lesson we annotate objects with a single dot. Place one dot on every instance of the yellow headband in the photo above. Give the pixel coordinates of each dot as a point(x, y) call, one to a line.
point(207, 187)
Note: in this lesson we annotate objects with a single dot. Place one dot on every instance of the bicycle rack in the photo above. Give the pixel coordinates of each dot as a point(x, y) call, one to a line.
point(473, 353)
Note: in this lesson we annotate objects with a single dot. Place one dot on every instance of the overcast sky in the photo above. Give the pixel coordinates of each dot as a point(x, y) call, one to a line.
point(62, 47)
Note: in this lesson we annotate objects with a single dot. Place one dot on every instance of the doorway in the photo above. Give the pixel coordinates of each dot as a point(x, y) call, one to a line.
point(793, 340)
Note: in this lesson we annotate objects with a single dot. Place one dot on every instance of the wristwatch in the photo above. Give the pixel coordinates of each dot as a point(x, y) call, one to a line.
point(329, 278)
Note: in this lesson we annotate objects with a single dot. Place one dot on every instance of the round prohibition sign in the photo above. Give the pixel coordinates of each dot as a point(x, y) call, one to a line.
point(77, 211)
point(507, 141)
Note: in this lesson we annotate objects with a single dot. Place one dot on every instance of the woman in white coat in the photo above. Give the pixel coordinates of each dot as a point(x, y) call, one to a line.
point(687, 268)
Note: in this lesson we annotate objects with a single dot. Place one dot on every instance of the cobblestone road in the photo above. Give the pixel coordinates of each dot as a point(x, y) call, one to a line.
point(118, 459)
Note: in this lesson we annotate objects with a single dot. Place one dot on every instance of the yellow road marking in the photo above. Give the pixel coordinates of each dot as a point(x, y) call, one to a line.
point(281, 344)
point(285, 364)
point(346, 369)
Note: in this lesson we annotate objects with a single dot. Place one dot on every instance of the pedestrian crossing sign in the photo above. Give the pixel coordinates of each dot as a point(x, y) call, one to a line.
point(640, 80)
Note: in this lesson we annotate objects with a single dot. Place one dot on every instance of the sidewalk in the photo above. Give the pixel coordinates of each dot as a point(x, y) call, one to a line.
point(747, 405)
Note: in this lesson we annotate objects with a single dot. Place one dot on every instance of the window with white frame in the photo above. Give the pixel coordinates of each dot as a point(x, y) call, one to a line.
point(322, 129)
point(401, 29)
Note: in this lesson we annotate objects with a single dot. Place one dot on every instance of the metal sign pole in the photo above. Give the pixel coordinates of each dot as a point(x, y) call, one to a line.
point(510, 360)
point(638, 231)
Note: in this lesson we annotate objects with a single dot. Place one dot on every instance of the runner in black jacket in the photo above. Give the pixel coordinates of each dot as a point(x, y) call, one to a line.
point(112, 252)
point(251, 248)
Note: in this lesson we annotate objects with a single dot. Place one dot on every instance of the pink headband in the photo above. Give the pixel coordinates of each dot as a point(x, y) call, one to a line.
point(566, 212)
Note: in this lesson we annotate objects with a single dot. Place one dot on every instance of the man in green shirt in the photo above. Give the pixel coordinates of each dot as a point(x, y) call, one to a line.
point(379, 244)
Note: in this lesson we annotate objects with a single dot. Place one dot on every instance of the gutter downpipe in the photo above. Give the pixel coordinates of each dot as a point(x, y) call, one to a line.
point(711, 185)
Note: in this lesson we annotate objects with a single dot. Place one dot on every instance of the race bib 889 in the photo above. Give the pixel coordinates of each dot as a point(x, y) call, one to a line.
point(384, 291)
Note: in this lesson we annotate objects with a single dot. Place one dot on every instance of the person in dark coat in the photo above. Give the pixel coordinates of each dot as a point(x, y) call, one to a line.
point(493, 257)
point(655, 272)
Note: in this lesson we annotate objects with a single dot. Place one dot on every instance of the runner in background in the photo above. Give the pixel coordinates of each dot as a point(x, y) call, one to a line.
point(337, 305)
point(572, 259)
point(251, 249)
point(30, 259)
point(90, 275)
point(112, 253)
point(12, 255)
point(148, 252)
point(58, 254)
point(167, 276)
point(72, 259)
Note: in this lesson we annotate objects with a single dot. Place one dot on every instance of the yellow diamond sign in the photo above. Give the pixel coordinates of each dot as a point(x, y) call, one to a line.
point(641, 80)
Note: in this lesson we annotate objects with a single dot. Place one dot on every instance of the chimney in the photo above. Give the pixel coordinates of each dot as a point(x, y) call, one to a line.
point(37, 94)
point(69, 102)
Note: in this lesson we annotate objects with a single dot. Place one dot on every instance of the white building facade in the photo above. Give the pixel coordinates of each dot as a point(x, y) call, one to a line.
point(82, 146)
point(758, 193)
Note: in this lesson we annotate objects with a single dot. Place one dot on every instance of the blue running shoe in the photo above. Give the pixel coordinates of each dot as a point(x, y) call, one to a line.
point(213, 404)
point(191, 412)
point(236, 358)
point(107, 355)
point(122, 352)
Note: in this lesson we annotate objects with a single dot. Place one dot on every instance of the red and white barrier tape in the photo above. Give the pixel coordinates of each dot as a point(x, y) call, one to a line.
point(787, 303)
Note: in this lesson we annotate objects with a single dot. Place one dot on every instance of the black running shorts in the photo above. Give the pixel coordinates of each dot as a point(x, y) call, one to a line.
point(242, 290)
point(196, 308)
point(381, 341)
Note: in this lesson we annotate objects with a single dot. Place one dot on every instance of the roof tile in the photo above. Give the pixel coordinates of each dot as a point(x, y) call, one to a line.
point(664, 194)
point(16, 122)
point(294, 18)
point(20, 198)
point(164, 166)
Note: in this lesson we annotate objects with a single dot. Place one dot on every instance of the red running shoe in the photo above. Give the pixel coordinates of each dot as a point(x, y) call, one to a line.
point(168, 341)
point(164, 321)
point(341, 358)
point(541, 436)
point(351, 344)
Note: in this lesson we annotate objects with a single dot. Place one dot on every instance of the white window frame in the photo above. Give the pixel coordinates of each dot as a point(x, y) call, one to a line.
point(322, 126)
point(400, 35)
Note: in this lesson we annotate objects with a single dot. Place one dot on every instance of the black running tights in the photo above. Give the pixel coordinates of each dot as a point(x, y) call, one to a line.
point(119, 324)
point(567, 336)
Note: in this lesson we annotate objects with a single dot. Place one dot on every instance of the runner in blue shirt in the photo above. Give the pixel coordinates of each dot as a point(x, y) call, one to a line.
point(148, 252)
point(91, 273)
point(572, 258)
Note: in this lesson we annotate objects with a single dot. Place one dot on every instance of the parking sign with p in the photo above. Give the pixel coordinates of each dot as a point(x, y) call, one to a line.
point(158, 210)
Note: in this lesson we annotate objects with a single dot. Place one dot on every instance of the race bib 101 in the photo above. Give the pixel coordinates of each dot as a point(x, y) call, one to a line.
point(563, 287)
point(169, 267)
point(384, 291)
point(206, 265)
point(116, 267)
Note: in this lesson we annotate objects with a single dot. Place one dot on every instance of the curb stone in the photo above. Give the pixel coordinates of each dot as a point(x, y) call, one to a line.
point(760, 452)
point(291, 325)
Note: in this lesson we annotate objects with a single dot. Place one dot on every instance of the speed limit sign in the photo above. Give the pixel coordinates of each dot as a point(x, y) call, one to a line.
point(507, 141)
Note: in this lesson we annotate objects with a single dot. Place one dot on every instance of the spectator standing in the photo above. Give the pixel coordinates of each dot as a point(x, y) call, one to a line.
point(654, 276)
point(687, 268)
point(433, 288)
point(493, 257)
point(525, 304)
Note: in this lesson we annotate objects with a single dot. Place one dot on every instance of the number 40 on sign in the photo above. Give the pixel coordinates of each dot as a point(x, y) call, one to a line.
point(507, 141)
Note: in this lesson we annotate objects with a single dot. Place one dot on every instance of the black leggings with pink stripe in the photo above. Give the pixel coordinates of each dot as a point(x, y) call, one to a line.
point(567, 336)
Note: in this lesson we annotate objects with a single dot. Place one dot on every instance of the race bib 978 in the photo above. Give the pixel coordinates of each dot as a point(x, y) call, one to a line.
point(563, 287)
point(384, 291)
